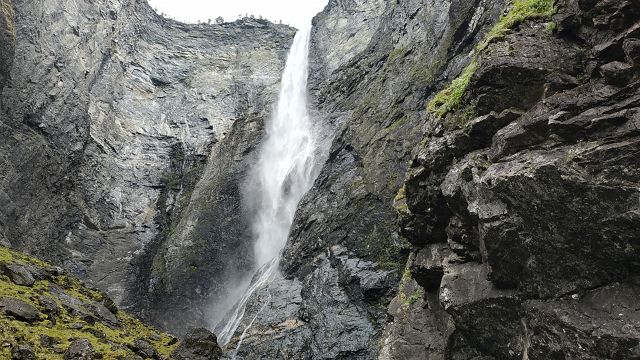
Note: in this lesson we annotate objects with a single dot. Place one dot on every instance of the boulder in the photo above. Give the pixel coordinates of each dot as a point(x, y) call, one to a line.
point(19, 274)
point(23, 352)
point(617, 73)
point(80, 349)
point(19, 309)
point(199, 344)
point(144, 349)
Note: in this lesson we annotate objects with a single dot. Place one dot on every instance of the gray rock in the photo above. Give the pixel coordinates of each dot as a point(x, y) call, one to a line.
point(48, 341)
point(19, 309)
point(80, 349)
point(22, 352)
point(144, 349)
point(18, 274)
point(617, 73)
point(198, 344)
point(632, 50)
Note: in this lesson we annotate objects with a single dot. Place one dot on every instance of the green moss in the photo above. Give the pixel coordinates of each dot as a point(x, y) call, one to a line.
point(415, 297)
point(114, 345)
point(450, 98)
point(396, 123)
point(409, 292)
point(401, 195)
point(551, 27)
point(521, 10)
point(396, 53)
point(461, 117)
point(400, 202)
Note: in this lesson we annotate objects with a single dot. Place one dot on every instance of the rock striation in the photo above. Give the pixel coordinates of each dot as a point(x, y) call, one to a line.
point(123, 138)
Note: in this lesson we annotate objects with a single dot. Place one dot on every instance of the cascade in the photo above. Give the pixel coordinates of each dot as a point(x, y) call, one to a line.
point(282, 175)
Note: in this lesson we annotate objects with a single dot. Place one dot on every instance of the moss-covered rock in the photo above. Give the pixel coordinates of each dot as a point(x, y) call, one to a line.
point(55, 314)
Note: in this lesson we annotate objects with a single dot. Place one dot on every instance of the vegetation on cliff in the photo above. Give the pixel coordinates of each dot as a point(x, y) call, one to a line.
point(49, 314)
point(520, 10)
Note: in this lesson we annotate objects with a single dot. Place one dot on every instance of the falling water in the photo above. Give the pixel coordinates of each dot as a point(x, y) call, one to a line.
point(281, 177)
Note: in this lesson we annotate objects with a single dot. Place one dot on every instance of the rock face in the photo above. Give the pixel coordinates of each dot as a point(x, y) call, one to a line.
point(345, 257)
point(513, 234)
point(123, 136)
point(523, 205)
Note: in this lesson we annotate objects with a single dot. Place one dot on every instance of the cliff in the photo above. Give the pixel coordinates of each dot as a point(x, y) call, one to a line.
point(522, 198)
point(111, 119)
point(519, 123)
point(479, 183)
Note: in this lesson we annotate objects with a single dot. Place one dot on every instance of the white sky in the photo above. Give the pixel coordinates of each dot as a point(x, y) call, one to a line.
point(296, 13)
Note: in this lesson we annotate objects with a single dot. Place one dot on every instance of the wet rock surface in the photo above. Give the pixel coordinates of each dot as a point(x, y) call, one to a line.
point(524, 229)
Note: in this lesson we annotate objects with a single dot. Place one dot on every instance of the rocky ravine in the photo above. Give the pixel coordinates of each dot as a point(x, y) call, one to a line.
point(111, 116)
point(521, 204)
point(345, 257)
point(514, 233)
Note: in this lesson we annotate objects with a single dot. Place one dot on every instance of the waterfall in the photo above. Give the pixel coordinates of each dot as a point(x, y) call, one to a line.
point(282, 175)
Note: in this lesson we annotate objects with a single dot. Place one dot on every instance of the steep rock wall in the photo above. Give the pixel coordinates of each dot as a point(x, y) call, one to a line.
point(345, 257)
point(522, 203)
point(109, 122)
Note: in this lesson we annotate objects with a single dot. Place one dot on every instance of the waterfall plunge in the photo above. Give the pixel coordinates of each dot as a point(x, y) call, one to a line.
point(283, 174)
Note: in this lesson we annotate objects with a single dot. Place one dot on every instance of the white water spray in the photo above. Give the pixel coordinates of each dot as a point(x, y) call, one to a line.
point(283, 174)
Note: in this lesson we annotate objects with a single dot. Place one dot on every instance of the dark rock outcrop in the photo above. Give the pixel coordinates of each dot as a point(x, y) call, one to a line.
point(80, 349)
point(198, 344)
point(525, 230)
point(18, 309)
point(22, 352)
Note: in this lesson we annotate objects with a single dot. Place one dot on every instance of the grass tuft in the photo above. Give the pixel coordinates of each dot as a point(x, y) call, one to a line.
point(450, 98)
